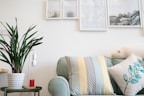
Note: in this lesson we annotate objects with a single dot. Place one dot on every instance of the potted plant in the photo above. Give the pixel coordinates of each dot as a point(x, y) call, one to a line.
point(14, 49)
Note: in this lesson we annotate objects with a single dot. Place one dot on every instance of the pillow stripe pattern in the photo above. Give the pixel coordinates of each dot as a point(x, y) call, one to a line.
point(82, 77)
point(88, 76)
point(91, 76)
point(105, 75)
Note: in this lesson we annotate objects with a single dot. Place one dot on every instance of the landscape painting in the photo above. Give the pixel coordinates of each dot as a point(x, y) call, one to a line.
point(124, 13)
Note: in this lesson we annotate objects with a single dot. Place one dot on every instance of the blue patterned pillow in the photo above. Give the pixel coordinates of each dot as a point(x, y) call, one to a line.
point(88, 76)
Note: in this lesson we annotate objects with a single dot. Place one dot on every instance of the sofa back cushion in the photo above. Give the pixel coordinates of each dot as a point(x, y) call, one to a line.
point(88, 76)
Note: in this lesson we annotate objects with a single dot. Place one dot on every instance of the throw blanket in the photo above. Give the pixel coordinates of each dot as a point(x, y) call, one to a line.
point(88, 76)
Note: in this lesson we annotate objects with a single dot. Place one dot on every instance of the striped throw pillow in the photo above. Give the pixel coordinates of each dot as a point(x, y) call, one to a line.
point(88, 76)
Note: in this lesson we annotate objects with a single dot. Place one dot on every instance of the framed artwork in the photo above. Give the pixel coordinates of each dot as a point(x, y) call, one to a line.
point(70, 9)
point(93, 15)
point(142, 5)
point(53, 9)
point(61, 9)
point(124, 13)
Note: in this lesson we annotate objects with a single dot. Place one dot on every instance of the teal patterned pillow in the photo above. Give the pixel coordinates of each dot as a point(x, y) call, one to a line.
point(129, 75)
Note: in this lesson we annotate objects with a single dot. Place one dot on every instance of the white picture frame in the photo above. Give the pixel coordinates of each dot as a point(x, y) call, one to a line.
point(70, 9)
point(53, 9)
point(142, 5)
point(93, 15)
point(124, 13)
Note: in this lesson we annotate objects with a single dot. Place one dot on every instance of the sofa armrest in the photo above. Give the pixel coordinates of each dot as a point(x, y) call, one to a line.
point(59, 86)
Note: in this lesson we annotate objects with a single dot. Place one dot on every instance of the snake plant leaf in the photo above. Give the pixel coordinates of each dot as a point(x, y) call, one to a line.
point(6, 28)
point(16, 50)
point(5, 59)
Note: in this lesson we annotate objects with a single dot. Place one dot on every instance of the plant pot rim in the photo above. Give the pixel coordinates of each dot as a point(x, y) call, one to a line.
point(15, 73)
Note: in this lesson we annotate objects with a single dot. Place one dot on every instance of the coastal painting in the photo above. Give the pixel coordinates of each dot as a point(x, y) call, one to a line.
point(124, 13)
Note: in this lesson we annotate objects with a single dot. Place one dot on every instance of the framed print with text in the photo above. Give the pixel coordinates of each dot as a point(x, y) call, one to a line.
point(93, 15)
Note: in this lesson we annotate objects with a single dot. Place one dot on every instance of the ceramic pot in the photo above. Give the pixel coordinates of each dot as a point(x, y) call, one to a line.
point(15, 80)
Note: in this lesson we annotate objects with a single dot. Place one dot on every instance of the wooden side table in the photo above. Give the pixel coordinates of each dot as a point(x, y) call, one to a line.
point(2, 70)
point(35, 90)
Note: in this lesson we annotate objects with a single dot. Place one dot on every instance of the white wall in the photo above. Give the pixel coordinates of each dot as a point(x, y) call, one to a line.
point(61, 37)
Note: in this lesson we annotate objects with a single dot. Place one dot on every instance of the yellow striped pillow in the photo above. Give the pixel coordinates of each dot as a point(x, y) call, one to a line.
point(88, 76)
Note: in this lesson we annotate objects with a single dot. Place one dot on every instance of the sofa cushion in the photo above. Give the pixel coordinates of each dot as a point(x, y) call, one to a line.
point(88, 75)
point(129, 75)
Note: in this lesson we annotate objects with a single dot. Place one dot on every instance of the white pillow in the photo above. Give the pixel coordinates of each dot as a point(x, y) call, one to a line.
point(129, 75)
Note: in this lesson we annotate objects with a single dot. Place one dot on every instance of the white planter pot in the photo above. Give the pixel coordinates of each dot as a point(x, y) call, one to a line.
point(15, 80)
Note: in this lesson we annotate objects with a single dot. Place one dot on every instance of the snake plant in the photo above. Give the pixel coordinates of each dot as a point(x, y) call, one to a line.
point(14, 49)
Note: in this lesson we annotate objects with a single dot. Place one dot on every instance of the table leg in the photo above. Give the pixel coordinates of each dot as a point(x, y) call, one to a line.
point(5, 92)
point(34, 93)
point(38, 93)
